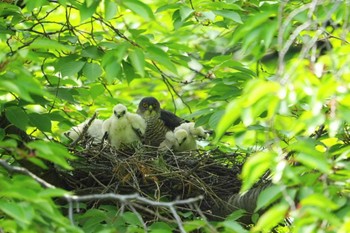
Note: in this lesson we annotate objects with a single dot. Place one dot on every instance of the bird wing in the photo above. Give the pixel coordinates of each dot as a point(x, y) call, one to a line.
point(170, 119)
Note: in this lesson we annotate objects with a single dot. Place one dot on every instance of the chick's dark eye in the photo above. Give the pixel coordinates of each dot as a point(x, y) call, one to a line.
point(123, 112)
point(115, 112)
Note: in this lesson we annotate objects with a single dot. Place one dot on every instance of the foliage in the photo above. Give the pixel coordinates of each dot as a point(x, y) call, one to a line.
point(273, 73)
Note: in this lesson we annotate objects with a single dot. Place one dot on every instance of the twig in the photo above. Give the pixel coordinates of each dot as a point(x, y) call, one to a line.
point(24, 171)
point(86, 127)
point(124, 199)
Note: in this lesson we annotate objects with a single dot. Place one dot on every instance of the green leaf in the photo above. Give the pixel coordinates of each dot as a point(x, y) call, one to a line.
point(44, 43)
point(111, 9)
point(112, 71)
point(137, 59)
point(231, 114)
point(160, 227)
point(92, 52)
point(168, 7)
point(268, 196)
point(255, 166)
point(229, 15)
point(215, 118)
point(233, 227)
point(185, 12)
point(31, 5)
point(97, 90)
point(161, 57)
point(271, 218)
point(92, 71)
point(309, 156)
point(131, 218)
point(319, 200)
point(52, 192)
point(139, 8)
point(16, 87)
point(51, 151)
point(129, 71)
point(68, 66)
point(17, 116)
point(23, 213)
point(41, 121)
point(88, 9)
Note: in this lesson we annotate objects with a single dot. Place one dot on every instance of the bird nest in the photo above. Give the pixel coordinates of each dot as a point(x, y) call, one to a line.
point(161, 176)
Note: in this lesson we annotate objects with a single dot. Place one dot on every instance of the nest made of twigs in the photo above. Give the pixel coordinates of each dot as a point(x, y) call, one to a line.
point(142, 169)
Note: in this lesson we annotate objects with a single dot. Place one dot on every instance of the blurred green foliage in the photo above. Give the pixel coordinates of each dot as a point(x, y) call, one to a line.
point(273, 73)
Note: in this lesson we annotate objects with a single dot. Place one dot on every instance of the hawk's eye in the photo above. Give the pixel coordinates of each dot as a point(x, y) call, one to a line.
point(115, 112)
point(123, 112)
point(145, 105)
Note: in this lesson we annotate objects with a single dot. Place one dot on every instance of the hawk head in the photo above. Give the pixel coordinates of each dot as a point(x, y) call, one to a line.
point(149, 107)
point(119, 110)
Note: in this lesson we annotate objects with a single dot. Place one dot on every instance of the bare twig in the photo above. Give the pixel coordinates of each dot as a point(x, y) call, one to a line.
point(24, 171)
point(86, 127)
point(128, 200)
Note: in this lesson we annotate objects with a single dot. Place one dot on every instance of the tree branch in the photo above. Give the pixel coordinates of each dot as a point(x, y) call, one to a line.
point(128, 199)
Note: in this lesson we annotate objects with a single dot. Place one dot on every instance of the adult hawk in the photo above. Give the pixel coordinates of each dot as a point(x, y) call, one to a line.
point(159, 121)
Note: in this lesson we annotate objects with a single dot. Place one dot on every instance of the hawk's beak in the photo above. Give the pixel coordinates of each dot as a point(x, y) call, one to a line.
point(150, 108)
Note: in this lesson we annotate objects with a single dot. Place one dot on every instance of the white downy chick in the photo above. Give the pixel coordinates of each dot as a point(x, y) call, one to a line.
point(169, 142)
point(188, 141)
point(196, 132)
point(94, 131)
point(123, 127)
point(184, 140)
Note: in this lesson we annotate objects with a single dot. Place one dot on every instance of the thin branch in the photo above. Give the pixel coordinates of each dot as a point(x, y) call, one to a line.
point(171, 88)
point(86, 127)
point(24, 171)
point(128, 199)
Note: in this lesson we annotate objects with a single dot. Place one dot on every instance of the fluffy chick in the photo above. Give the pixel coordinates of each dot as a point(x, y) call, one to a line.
point(123, 127)
point(94, 131)
point(181, 139)
point(184, 140)
point(196, 132)
point(186, 135)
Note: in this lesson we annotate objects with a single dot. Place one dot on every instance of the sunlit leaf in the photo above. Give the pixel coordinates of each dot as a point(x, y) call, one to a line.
point(139, 8)
point(17, 116)
point(229, 15)
point(53, 152)
point(158, 55)
point(185, 12)
point(267, 196)
point(44, 43)
point(129, 71)
point(88, 9)
point(231, 114)
point(160, 227)
point(41, 121)
point(92, 71)
point(137, 58)
point(319, 200)
point(111, 9)
point(255, 167)
point(233, 226)
point(271, 218)
point(112, 72)
point(68, 66)
point(23, 213)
